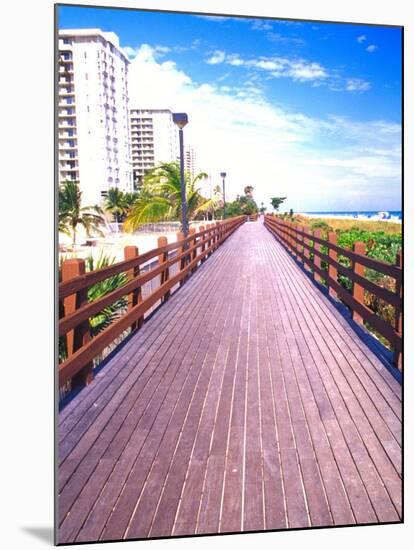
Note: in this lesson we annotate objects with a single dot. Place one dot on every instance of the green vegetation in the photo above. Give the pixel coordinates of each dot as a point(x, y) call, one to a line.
point(277, 201)
point(382, 241)
point(243, 205)
point(72, 214)
point(159, 198)
point(108, 315)
point(116, 204)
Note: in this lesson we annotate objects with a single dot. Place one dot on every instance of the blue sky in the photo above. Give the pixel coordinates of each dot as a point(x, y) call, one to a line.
point(310, 110)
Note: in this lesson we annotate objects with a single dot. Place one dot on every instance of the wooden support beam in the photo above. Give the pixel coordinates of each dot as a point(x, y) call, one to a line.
point(203, 246)
point(80, 335)
point(135, 297)
point(316, 258)
point(306, 250)
point(358, 290)
point(398, 311)
point(332, 271)
point(180, 250)
point(162, 259)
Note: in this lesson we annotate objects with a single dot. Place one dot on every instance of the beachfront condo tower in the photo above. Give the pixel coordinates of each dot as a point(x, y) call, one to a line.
point(154, 139)
point(190, 161)
point(93, 129)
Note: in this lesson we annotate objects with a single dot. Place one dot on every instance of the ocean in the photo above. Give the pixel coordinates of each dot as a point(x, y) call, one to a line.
point(373, 215)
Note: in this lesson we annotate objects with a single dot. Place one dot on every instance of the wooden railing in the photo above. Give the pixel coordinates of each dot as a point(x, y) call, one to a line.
point(252, 217)
point(303, 243)
point(75, 309)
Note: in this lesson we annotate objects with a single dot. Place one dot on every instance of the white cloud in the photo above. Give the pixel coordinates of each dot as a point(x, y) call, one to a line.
point(307, 71)
point(297, 69)
point(217, 57)
point(316, 163)
point(261, 25)
point(371, 48)
point(156, 51)
point(234, 60)
point(357, 85)
point(361, 38)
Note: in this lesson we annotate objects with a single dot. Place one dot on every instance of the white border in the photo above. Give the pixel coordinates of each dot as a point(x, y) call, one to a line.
point(26, 392)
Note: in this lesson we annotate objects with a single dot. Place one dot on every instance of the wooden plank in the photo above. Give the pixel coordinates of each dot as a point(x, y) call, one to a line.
point(108, 380)
point(167, 389)
point(384, 465)
point(88, 440)
point(268, 381)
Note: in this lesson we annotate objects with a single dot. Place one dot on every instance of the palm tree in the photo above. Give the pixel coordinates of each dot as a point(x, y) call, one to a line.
point(160, 196)
point(248, 191)
point(115, 203)
point(72, 214)
point(213, 204)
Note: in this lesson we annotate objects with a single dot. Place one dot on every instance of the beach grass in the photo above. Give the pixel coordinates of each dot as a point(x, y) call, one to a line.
point(343, 224)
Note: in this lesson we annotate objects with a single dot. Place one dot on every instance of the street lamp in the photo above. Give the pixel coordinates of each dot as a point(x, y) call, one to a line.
point(223, 176)
point(180, 120)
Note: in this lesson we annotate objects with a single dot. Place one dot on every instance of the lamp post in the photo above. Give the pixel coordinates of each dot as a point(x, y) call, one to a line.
point(180, 120)
point(223, 176)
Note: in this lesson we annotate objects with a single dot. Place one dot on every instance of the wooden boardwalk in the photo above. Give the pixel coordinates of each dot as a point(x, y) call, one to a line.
point(247, 402)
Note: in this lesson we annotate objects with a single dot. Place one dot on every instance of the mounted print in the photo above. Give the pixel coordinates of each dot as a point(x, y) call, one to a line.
point(229, 314)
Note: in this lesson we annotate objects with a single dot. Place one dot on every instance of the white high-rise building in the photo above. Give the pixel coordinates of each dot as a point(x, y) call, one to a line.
point(93, 128)
point(154, 139)
point(190, 161)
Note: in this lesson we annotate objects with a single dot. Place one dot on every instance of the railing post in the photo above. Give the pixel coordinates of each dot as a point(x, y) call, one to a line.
point(316, 258)
point(306, 250)
point(135, 297)
point(398, 312)
point(203, 246)
point(180, 250)
point(299, 247)
point(193, 254)
point(217, 237)
point(80, 335)
point(292, 241)
point(358, 290)
point(332, 271)
point(162, 259)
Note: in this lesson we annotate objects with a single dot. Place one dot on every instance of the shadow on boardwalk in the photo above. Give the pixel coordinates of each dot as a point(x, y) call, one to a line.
point(247, 402)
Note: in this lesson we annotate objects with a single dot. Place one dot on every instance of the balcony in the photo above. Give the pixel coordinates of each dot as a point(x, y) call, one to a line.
point(66, 147)
point(66, 157)
point(64, 113)
point(66, 69)
point(68, 91)
point(67, 126)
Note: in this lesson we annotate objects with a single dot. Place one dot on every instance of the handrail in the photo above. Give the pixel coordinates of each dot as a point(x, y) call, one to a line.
point(76, 310)
point(297, 241)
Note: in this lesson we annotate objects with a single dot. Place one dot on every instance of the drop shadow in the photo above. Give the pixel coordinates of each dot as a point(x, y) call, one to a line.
point(45, 534)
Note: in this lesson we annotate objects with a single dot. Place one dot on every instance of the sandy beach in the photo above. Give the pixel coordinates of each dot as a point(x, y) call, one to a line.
point(113, 243)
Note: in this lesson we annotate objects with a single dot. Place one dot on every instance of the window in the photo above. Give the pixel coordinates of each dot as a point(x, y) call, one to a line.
point(70, 133)
point(85, 55)
point(71, 143)
point(66, 41)
point(72, 154)
point(86, 76)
